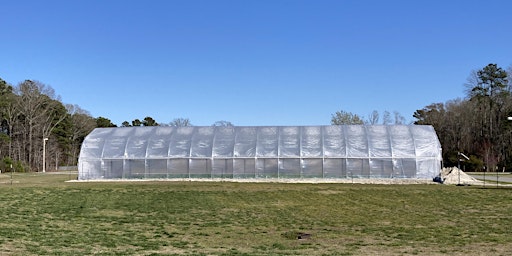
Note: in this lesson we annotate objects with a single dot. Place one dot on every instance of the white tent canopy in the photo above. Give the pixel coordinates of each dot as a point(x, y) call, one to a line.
point(344, 151)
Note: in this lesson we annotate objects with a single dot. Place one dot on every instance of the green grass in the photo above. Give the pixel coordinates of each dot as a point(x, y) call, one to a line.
point(43, 215)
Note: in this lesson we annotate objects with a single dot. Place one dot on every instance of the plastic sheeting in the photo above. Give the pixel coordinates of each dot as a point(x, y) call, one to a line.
point(345, 151)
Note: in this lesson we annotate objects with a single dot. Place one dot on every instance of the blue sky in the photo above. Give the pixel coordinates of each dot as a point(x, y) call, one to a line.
point(275, 62)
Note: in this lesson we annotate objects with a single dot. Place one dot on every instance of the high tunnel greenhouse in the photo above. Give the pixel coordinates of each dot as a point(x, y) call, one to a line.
point(264, 152)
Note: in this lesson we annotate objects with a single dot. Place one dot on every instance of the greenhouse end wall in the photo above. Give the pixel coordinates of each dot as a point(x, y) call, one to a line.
point(277, 152)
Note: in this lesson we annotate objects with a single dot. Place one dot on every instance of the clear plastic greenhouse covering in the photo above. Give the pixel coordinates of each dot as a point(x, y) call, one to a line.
point(331, 152)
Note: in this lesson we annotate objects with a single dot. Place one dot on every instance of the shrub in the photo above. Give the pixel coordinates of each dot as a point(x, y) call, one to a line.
point(8, 165)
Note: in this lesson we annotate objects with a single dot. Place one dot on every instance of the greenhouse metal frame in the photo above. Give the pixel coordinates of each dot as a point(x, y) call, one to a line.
point(261, 152)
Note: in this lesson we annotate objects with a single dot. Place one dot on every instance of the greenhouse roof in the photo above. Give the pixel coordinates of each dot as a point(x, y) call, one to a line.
point(265, 141)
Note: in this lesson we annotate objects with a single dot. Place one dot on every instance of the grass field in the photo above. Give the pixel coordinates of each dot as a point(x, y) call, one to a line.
point(43, 215)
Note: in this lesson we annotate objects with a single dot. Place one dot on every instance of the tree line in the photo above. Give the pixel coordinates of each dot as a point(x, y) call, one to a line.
point(478, 125)
point(33, 118)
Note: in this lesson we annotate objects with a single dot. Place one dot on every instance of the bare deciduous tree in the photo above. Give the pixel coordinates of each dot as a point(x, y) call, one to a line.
point(180, 122)
point(399, 119)
point(39, 113)
point(82, 123)
point(373, 118)
point(386, 118)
